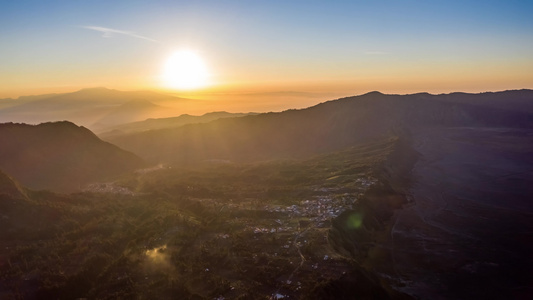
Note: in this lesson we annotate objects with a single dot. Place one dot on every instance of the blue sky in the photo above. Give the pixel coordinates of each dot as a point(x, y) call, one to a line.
point(385, 45)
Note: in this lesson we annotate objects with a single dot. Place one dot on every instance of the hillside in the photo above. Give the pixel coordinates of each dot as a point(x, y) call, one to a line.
point(233, 231)
point(379, 196)
point(60, 156)
point(9, 189)
point(326, 127)
point(162, 123)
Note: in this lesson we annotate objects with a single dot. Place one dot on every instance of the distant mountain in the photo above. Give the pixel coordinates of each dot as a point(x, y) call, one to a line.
point(60, 156)
point(328, 126)
point(515, 100)
point(89, 107)
point(128, 112)
point(162, 123)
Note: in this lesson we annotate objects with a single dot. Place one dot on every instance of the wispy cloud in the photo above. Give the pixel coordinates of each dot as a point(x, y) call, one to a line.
point(109, 32)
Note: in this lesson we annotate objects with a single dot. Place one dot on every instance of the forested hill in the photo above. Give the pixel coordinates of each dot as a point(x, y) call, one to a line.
point(60, 156)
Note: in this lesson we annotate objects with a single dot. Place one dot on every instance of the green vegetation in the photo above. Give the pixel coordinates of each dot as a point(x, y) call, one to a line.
point(218, 230)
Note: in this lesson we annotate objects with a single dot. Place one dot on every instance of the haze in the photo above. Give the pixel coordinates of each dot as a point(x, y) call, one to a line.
point(335, 49)
point(266, 150)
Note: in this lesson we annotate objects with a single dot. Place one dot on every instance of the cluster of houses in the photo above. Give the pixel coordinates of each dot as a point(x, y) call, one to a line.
point(318, 210)
point(107, 187)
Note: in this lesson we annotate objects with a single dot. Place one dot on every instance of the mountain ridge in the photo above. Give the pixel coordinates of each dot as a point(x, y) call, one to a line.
point(324, 127)
point(60, 156)
point(162, 123)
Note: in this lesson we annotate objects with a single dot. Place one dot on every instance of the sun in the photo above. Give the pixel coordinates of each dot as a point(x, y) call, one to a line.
point(185, 70)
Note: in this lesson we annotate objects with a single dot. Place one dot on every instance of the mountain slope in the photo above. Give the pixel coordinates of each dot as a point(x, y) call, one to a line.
point(9, 189)
point(88, 106)
point(325, 127)
point(60, 156)
point(161, 123)
point(198, 224)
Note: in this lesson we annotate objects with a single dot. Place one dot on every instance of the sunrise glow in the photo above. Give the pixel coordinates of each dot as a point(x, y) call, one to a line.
point(185, 70)
point(347, 149)
point(230, 51)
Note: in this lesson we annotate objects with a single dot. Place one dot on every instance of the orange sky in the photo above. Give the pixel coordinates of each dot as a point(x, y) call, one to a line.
point(349, 48)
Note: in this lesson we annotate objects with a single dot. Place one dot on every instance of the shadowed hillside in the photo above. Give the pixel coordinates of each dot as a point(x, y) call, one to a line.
point(326, 127)
point(9, 189)
point(60, 156)
point(374, 197)
point(212, 231)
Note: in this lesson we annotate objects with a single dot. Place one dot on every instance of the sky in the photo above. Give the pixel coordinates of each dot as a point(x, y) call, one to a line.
point(344, 47)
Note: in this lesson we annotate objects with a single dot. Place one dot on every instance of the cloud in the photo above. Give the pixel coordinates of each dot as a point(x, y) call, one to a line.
point(109, 32)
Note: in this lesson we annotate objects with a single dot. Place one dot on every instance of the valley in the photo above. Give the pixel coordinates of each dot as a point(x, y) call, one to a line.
point(269, 150)
point(225, 231)
point(380, 196)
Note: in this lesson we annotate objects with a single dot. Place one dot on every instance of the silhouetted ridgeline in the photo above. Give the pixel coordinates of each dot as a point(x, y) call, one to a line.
point(60, 156)
point(328, 126)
